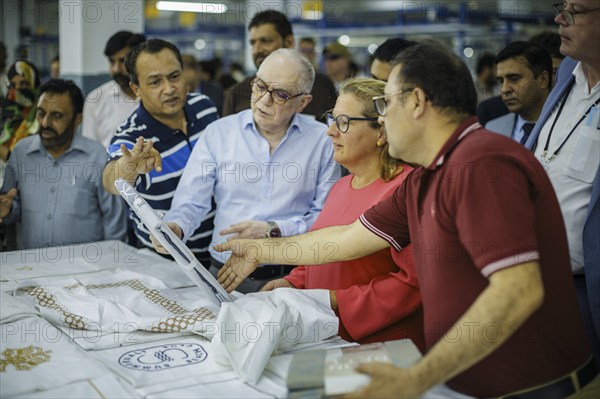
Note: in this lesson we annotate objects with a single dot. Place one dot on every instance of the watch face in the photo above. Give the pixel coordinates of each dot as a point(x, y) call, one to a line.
point(275, 233)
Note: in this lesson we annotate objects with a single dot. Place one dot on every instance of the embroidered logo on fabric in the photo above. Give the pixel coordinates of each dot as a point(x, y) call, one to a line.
point(162, 357)
point(23, 359)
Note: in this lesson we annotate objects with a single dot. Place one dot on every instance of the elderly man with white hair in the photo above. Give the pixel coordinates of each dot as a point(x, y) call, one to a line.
point(270, 168)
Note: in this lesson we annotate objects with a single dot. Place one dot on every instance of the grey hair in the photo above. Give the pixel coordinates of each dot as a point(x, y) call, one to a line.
point(307, 75)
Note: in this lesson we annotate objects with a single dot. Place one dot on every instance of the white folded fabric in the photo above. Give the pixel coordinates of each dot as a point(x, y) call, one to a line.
point(125, 301)
point(168, 271)
point(149, 263)
point(36, 356)
point(161, 389)
point(267, 387)
point(107, 386)
point(42, 263)
point(89, 258)
point(12, 309)
point(258, 325)
point(98, 340)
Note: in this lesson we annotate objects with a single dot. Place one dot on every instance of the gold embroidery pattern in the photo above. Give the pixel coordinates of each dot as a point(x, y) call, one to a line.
point(182, 321)
point(74, 286)
point(24, 358)
point(46, 300)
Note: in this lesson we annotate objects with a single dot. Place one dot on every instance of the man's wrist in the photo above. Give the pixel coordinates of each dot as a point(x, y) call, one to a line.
point(422, 376)
point(126, 171)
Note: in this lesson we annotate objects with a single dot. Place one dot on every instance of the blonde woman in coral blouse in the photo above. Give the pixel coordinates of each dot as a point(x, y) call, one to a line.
point(376, 297)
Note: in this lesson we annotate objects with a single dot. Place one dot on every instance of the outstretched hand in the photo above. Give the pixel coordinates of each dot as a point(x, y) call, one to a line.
point(279, 283)
point(243, 261)
point(6, 201)
point(142, 158)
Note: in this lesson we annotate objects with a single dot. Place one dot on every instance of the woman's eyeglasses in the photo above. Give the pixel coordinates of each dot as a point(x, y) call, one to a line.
point(342, 122)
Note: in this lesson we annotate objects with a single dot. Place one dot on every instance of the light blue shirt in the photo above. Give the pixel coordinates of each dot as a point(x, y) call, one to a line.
point(62, 201)
point(232, 160)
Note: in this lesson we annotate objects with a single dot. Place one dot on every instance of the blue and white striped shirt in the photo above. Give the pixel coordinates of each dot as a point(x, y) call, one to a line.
point(175, 148)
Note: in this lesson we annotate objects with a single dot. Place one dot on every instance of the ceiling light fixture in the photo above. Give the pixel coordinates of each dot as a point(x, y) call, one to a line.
point(207, 8)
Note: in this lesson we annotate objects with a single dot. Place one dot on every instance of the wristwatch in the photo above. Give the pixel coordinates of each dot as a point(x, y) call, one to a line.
point(273, 230)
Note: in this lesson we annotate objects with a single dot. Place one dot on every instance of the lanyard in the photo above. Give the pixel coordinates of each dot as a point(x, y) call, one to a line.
point(544, 157)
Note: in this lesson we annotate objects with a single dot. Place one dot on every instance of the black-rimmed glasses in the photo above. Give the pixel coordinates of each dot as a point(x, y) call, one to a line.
point(278, 96)
point(380, 102)
point(342, 122)
point(569, 16)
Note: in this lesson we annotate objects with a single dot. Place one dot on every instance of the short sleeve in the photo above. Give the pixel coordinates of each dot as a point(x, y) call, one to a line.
point(495, 215)
point(388, 219)
point(114, 149)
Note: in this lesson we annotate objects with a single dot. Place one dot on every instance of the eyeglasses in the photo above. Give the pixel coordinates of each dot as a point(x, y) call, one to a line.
point(343, 121)
point(278, 96)
point(380, 102)
point(569, 16)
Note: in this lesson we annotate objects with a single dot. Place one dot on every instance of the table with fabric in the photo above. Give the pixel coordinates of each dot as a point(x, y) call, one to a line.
point(40, 358)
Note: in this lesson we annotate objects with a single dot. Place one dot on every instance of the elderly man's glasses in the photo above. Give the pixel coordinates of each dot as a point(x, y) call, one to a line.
point(342, 122)
point(569, 16)
point(278, 96)
point(380, 102)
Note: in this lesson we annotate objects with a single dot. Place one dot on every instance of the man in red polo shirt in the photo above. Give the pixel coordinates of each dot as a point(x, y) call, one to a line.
point(489, 241)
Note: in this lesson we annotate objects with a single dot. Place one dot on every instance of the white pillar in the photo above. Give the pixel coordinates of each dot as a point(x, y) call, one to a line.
point(84, 28)
point(10, 14)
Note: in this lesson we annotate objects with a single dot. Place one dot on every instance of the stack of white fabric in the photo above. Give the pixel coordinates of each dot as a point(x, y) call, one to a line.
point(107, 386)
point(253, 328)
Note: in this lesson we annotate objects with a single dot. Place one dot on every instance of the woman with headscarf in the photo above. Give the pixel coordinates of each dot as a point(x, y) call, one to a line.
point(18, 108)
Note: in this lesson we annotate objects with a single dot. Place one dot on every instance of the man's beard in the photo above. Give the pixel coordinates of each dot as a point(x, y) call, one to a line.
point(122, 80)
point(259, 59)
point(57, 141)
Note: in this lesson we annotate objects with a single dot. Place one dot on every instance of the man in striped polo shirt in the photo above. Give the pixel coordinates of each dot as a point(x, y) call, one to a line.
point(152, 147)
